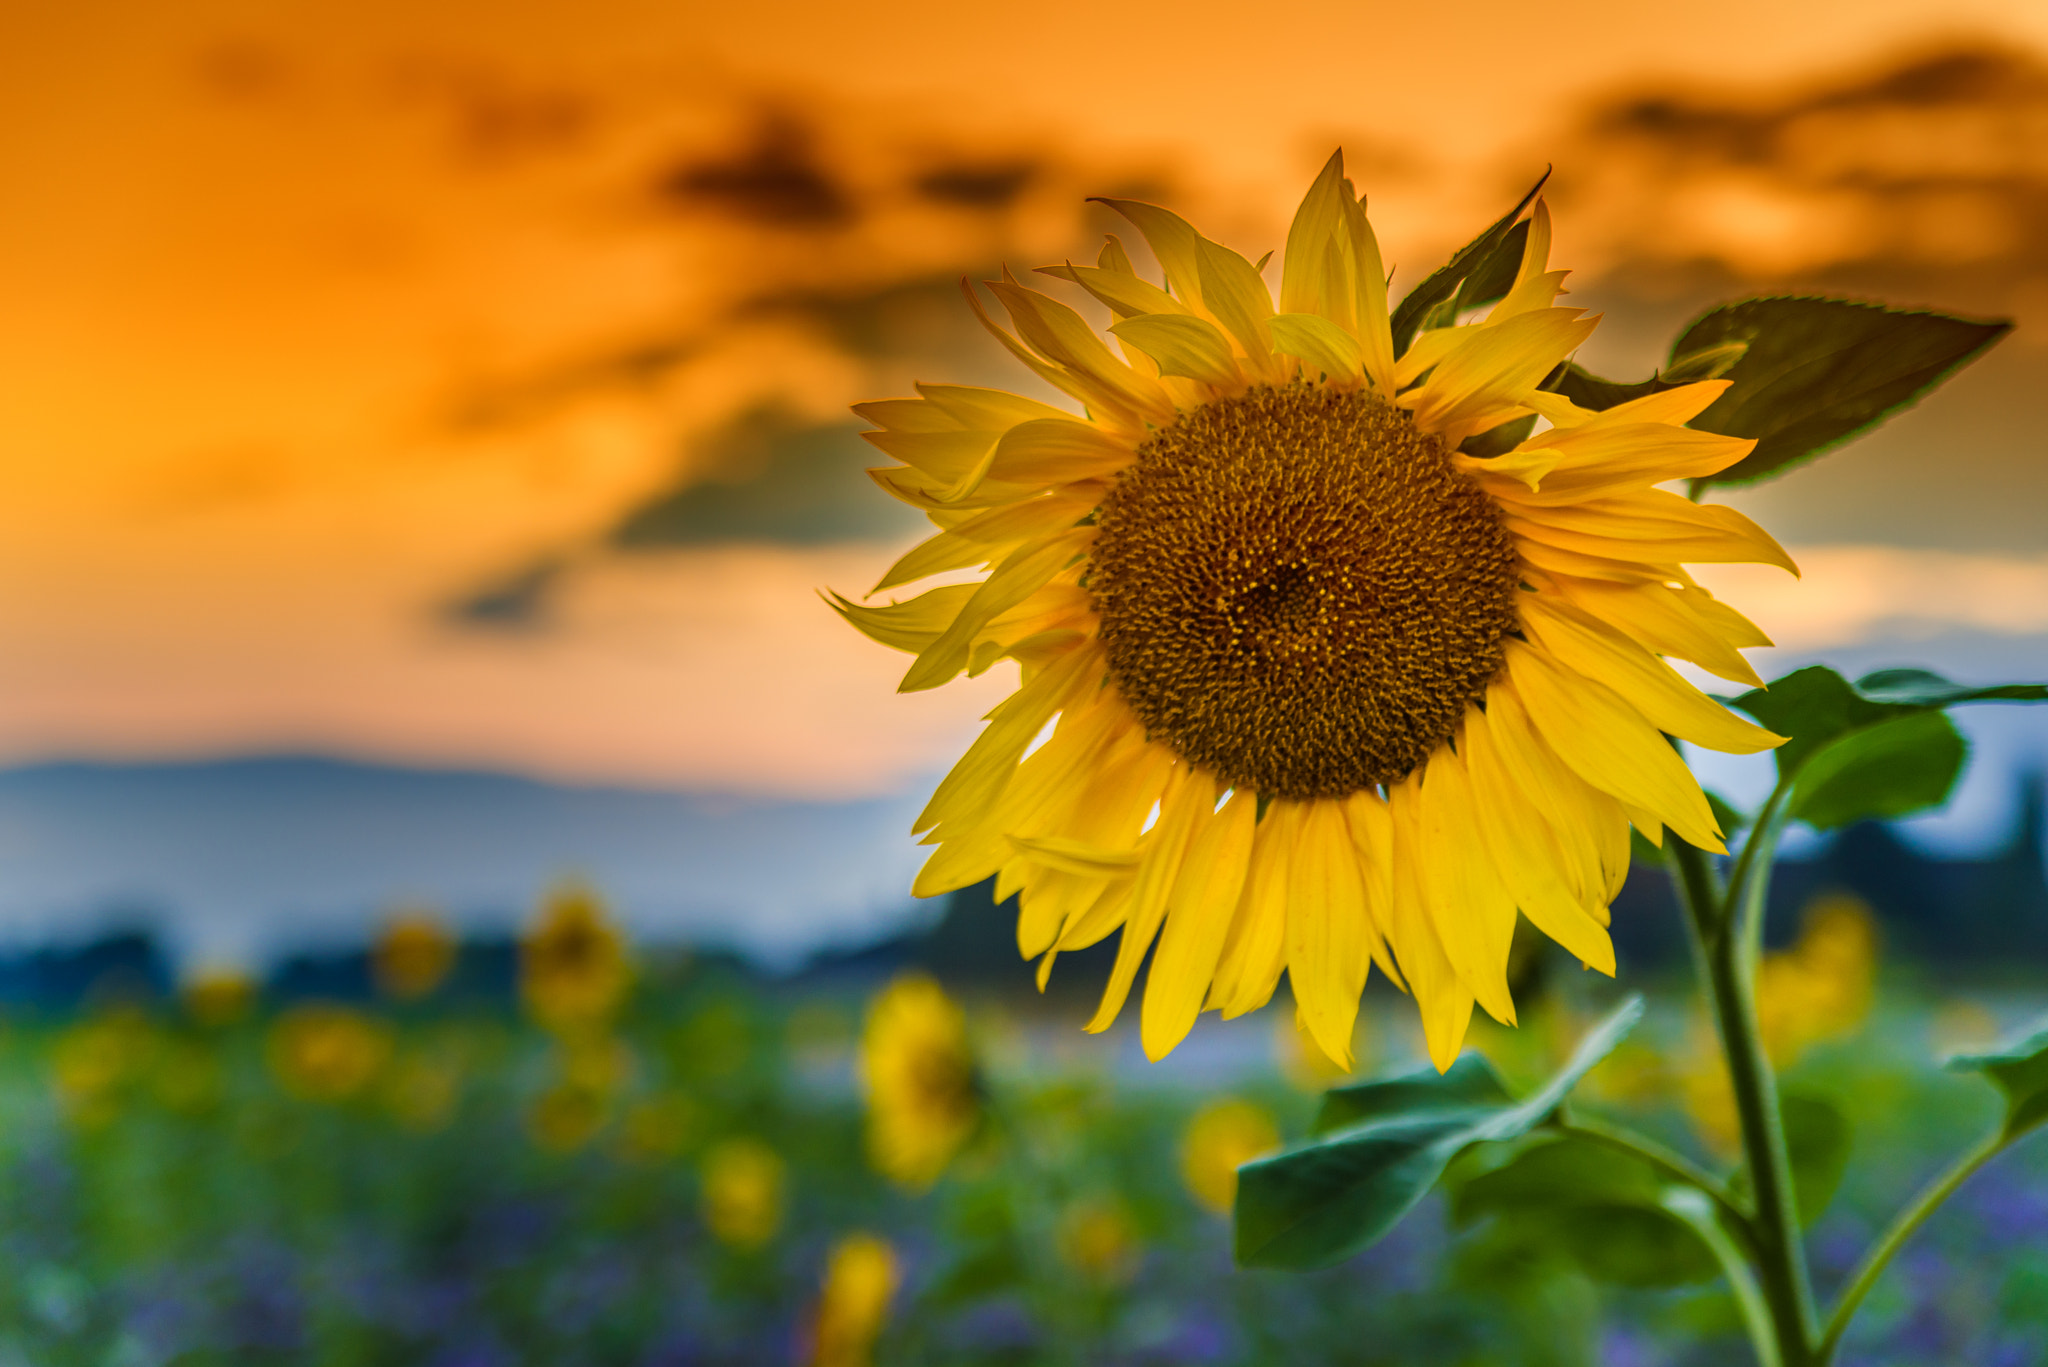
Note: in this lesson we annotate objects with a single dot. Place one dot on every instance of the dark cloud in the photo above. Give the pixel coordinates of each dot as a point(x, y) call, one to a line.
point(517, 602)
point(769, 476)
point(978, 185)
point(777, 181)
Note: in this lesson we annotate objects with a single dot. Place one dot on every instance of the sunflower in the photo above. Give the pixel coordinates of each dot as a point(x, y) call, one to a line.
point(1311, 680)
point(574, 971)
point(918, 1072)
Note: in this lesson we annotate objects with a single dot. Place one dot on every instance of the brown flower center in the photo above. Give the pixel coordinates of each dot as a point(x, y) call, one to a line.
point(1298, 592)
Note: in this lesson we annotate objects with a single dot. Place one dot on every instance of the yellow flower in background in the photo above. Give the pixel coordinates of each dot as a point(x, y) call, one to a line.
point(573, 970)
point(218, 994)
point(743, 1181)
point(860, 1281)
point(918, 1070)
point(423, 1088)
point(1325, 691)
point(1097, 1239)
point(1821, 987)
point(412, 956)
point(565, 1117)
point(323, 1052)
point(1221, 1136)
point(655, 1128)
point(94, 1061)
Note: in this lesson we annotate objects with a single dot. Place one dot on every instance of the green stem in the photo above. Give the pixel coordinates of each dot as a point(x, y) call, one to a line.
point(1726, 936)
point(1675, 1166)
point(1749, 1297)
point(1902, 1228)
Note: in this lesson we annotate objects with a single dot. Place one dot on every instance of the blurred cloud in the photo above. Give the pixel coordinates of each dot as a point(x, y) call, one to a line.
point(1926, 166)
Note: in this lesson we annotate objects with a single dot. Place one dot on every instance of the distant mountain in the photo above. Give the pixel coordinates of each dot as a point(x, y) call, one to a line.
point(254, 859)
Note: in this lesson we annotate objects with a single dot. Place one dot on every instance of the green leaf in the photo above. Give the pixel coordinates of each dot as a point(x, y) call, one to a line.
point(1494, 276)
point(1876, 749)
point(1920, 688)
point(1599, 1207)
point(1442, 285)
point(1498, 441)
point(1317, 1204)
point(2020, 1070)
point(1815, 372)
point(1470, 1083)
point(1588, 390)
point(1879, 773)
point(1817, 1137)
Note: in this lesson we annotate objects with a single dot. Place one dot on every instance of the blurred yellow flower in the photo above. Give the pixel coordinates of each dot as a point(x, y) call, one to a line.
point(655, 1128)
point(93, 1061)
point(743, 1192)
point(323, 1052)
point(923, 1100)
point(573, 970)
point(422, 1089)
point(599, 1064)
point(1097, 1239)
point(218, 994)
point(1221, 1136)
point(1821, 987)
point(565, 1117)
point(860, 1281)
point(412, 956)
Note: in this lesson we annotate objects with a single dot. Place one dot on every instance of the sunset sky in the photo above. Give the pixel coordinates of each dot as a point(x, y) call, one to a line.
point(466, 384)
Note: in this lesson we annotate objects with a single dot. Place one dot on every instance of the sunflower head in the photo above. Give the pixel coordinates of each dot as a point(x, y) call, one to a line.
point(412, 956)
point(853, 1306)
point(924, 1099)
point(573, 971)
point(324, 1052)
point(1341, 638)
point(743, 1192)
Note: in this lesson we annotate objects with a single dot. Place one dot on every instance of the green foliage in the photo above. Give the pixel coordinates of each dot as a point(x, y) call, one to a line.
point(1818, 1137)
point(1876, 749)
point(1475, 258)
point(1323, 1201)
point(1815, 372)
point(1807, 374)
point(1600, 1208)
point(2020, 1071)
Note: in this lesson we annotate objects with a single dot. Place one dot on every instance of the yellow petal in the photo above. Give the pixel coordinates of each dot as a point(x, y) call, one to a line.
point(1319, 343)
point(1023, 572)
point(1233, 292)
point(1255, 948)
point(1205, 894)
point(1589, 647)
point(1525, 850)
point(1443, 999)
point(1372, 835)
point(1327, 929)
point(1491, 367)
point(1661, 619)
point(1075, 856)
point(1064, 337)
point(1173, 240)
point(1189, 797)
point(1556, 559)
point(1057, 451)
point(1652, 523)
point(908, 415)
point(987, 410)
point(1125, 294)
point(977, 779)
point(1607, 743)
point(1182, 344)
point(907, 626)
point(1309, 237)
point(1369, 286)
point(1472, 913)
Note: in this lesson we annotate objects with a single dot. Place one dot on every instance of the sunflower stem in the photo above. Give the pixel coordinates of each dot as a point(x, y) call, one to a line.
point(1727, 936)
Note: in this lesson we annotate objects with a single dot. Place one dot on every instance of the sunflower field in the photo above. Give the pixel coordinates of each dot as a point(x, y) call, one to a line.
point(646, 1158)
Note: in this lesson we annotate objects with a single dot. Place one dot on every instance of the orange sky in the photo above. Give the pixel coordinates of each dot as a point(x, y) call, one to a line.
point(254, 256)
